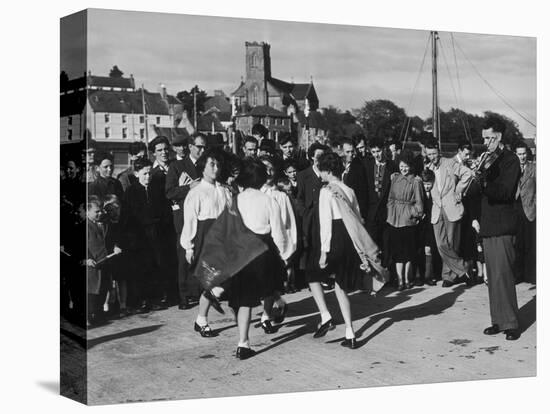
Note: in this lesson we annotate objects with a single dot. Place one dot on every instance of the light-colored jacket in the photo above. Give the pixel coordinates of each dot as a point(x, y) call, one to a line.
point(454, 179)
point(527, 189)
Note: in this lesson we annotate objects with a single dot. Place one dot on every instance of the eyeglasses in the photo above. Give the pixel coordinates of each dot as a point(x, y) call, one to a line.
point(199, 146)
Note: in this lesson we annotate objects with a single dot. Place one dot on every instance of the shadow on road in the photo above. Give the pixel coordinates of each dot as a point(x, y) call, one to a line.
point(434, 306)
point(124, 334)
point(51, 386)
point(363, 305)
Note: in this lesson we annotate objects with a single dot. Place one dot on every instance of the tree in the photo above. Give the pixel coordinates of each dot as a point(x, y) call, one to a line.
point(382, 119)
point(341, 124)
point(116, 72)
point(512, 134)
point(187, 99)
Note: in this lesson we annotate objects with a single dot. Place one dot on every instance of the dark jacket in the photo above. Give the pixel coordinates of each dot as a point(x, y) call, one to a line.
point(356, 179)
point(498, 215)
point(378, 203)
point(176, 193)
point(307, 201)
point(102, 187)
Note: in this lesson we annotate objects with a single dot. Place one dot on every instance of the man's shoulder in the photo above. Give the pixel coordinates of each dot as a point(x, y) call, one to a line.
point(302, 175)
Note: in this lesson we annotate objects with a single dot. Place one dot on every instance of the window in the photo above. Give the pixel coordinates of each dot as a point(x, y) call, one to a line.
point(142, 133)
point(107, 118)
point(141, 119)
point(69, 134)
point(255, 95)
point(125, 132)
point(267, 121)
point(158, 120)
point(123, 119)
point(254, 60)
point(107, 132)
point(70, 120)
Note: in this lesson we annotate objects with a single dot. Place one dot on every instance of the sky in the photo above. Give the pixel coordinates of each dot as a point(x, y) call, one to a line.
point(348, 64)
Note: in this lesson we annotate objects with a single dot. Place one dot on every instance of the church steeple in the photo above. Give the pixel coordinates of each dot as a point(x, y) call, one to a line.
point(258, 61)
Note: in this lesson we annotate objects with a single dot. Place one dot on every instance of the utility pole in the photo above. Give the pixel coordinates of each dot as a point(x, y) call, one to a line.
point(435, 104)
point(145, 119)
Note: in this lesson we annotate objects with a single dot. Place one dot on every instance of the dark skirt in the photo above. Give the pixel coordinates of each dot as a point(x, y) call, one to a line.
point(343, 260)
point(202, 228)
point(313, 271)
point(262, 277)
point(403, 243)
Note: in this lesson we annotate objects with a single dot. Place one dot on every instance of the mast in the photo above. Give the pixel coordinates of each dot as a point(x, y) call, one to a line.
point(435, 103)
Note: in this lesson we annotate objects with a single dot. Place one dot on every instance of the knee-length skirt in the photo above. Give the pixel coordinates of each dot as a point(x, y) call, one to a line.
point(343, 260)
point(262, 277)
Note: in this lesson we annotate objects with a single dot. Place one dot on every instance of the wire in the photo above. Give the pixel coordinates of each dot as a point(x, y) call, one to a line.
point(453, 87)
point(497, 93)
point(460, 94)
point(406, 121)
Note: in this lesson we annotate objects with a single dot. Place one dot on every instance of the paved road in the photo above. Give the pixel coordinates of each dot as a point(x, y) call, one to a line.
point(424, 335)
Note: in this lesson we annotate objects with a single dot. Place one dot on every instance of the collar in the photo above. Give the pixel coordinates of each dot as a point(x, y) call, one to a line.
point(193, 160)
point(157, 164)
point(316, 171)
point(178, 158)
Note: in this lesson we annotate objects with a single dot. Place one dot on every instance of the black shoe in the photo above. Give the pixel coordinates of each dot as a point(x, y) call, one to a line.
point(214, 301)
point(281, 316)
point(267, 327)
point(491, 330)
point(323, 329)
point(419, 282)
point(431, 282)
point(164, 304)
point(401, 287)
point(512, 334)
point(447, 283)
point(244, 353)
point(205, 331)
point(184, 306)
point(468, 279)
point(144, 308)
point(349, 343)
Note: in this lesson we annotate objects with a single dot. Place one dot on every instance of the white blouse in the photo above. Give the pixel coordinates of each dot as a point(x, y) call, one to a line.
point(262, 215)
point(204, 201)
point(328, 211)
point(287, 214)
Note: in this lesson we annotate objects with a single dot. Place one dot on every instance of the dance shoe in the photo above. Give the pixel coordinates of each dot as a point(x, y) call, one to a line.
point(281, 316)
point(447, 283)
point(244, 353)
point(205, 331)
point(267, 327)
point(350, 343)
point(512, 334)
point(491, 330)
point(323, 329)
point(431, 282)
point(214, 301)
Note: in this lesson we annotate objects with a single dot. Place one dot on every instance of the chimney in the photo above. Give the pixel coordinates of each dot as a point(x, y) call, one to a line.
point(162, 91)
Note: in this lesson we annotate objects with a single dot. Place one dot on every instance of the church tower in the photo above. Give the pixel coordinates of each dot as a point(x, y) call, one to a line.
point(258, 72)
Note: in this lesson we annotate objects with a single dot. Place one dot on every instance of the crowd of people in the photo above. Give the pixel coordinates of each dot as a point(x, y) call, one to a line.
point(339, 218)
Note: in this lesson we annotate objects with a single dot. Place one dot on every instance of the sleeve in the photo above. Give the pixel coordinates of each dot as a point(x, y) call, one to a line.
point(191, 209)
point(325, 219)
point(174, 191)
point(503, 188)
point(278, 232)
point(464, 175)
point(289, 221)
point(300, 196)
point(418, 206)
point(355, 204)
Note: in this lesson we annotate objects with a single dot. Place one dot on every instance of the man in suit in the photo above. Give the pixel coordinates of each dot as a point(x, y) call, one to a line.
point(128, 177)
point(378, 173)
point(164, 238)
point(526, 201)
point(451, 180)
point(181, 177)
point(307, 205)
point(288, 152)
point(354, 176)
point(498, 227)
